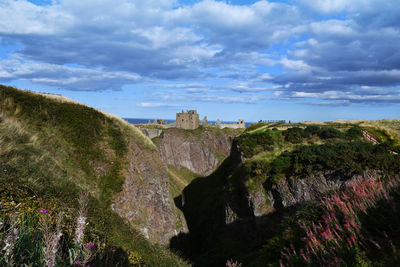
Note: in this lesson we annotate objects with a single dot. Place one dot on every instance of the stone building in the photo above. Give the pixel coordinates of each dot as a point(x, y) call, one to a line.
point(159, 121)
point(237, 125)
point(187, 120)
point(204, 121)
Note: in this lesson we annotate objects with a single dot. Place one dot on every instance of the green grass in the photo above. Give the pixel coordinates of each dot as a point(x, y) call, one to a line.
point(179, 179)
point(52, 149)
point(272, 155)
point(255, 126)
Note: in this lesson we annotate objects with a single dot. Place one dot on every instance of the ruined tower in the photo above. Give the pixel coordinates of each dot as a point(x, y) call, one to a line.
point(187, 120)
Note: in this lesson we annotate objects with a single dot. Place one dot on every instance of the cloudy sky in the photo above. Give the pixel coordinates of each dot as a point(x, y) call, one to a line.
point(295, 60)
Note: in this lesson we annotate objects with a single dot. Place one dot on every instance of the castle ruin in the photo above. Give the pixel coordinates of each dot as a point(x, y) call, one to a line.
point(238, 125)
point(187, 120)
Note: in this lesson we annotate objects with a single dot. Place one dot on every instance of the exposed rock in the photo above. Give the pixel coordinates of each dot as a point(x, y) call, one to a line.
point(151, 133)
point(199, 152)
point(293, 190)
point(145, 199)
point(259, 203)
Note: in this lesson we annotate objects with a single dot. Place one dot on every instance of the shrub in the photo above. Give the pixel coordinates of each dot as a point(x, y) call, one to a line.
point(295, 135)
point(354, 133)
point(346, 158)
point(252, 144)
point(313, 129)
point(328, 132)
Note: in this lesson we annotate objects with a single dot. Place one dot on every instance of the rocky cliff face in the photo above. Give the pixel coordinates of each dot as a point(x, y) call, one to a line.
point(293, 190)
point(145, 200)
point(198, 151)
point(290, 192)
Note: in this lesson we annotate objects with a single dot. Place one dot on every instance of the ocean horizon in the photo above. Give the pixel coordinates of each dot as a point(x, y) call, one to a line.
point(145, 121)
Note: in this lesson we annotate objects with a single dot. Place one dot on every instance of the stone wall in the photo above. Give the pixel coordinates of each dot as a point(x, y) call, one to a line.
point(238, 125)
point(187, 120)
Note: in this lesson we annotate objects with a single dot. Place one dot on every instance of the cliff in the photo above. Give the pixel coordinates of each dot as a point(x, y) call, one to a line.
point(200, 151)
point(145, 199)
point(272, 173)
point(58, 148)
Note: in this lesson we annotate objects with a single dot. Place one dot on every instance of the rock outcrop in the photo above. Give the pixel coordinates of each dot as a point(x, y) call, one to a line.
point(198, 151)
point(151, 133)
point(291, 191)
point(145, 200)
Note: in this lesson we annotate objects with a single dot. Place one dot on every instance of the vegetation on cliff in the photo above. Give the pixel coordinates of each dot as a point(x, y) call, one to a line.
point(270, 155)
point(51, 150)
point(357, 226)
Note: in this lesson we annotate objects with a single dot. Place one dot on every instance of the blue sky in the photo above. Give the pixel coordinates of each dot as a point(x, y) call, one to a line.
point(295, 60)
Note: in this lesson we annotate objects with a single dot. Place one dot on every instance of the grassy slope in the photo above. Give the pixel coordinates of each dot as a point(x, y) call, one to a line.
point(52, 148)
point(179, 179)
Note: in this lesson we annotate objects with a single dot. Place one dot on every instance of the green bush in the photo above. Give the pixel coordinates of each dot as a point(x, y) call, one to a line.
point(313, 129)
point(252, 144)
point(354, 133)
point(328, 132)
point(295, 135)
point(346, 158)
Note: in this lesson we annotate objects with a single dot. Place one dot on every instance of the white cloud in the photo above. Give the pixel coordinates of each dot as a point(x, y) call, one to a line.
point(328, 6)
point(155, 105)
point(72, 78)
point(155, 39)
point(296, 65)
point(117, 42)
point(334, 27)
point(23, 17)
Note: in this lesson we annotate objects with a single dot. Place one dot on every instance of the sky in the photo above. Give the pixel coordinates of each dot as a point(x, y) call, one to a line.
point(291, 60)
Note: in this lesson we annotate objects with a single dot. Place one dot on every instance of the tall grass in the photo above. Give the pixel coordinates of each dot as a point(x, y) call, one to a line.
point(54, 149)
point(339, 238)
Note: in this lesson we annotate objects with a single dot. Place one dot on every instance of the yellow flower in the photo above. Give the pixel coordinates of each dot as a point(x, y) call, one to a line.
point(135, 259)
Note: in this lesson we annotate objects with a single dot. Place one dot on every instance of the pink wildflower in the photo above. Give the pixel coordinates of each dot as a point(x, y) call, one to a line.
point(43, 211)
point(304, 256)
point(353, 240)
point(89, 245)
point(349, 242)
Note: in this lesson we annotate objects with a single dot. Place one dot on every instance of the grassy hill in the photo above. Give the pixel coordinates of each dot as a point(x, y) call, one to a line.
point(243, 206)
point(53, 149)
point(56, 155)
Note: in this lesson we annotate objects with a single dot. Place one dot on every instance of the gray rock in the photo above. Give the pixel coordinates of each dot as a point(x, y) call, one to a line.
point(145, 200)
point(196, 152)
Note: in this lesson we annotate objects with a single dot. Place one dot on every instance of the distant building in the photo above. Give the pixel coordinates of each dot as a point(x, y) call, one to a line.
point(187, 120)
point(204, 121)
point(159, 121)
point(237, 125)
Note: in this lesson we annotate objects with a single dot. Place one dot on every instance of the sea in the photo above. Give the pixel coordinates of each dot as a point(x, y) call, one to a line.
point(144, 121)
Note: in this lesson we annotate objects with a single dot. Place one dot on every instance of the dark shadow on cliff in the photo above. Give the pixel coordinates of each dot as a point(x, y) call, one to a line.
point(214, 234)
